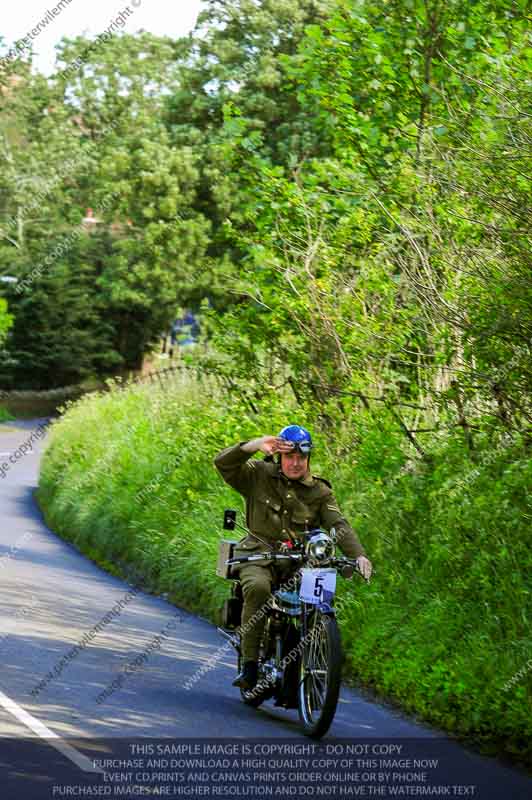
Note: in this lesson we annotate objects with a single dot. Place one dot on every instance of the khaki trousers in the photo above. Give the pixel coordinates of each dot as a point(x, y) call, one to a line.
point(256, 582)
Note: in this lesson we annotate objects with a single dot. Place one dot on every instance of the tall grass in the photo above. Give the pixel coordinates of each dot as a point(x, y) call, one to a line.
point(444, 626)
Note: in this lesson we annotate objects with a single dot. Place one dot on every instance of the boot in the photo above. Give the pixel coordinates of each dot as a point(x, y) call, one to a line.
point(247, 679)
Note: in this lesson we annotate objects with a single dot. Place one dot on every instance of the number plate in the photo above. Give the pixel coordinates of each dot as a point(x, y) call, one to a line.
point(318, 586)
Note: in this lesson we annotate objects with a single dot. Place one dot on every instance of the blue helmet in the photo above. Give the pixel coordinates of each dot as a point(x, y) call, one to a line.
point(299, 436)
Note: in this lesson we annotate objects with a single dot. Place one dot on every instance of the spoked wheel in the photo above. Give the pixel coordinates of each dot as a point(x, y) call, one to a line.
point(320, 675)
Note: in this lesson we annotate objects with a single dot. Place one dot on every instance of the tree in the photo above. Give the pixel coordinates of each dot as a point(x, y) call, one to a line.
point(241, 56)
point(382, 270)
point(91, 137)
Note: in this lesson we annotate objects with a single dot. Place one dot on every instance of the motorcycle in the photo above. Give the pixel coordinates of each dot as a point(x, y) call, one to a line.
point(300, 655)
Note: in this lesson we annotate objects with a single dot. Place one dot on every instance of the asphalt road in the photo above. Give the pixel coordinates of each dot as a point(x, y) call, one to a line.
point(51, 597)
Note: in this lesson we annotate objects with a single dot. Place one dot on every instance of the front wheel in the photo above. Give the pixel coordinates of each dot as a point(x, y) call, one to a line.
point(320, 675)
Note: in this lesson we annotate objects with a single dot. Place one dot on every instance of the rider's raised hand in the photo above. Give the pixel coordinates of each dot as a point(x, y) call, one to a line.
point(268, 445)
point(275, 444)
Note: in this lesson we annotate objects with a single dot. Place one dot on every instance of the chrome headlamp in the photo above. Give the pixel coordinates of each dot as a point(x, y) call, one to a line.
point(320, 547)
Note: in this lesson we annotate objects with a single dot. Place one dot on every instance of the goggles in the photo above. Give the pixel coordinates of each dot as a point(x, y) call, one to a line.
point(301, 447)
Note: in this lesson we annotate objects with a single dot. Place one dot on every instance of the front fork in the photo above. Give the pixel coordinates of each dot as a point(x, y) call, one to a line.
point(277, 672)
point(308, 620)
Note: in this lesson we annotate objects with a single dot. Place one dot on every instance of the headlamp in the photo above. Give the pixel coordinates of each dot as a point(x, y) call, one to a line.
point(320, 547)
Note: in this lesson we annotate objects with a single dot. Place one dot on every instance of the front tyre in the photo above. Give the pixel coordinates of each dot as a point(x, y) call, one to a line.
point(320, 675)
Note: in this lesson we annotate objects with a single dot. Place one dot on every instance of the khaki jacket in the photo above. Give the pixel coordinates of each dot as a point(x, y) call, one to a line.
point(277, 506)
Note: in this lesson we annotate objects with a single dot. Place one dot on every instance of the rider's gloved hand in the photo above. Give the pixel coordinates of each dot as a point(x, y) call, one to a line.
point(365, 567)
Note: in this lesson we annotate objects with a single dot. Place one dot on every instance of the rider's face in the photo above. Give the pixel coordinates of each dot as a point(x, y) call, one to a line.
point(294, 465)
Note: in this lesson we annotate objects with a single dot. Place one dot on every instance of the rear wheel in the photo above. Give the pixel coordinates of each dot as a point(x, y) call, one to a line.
point(320, 675)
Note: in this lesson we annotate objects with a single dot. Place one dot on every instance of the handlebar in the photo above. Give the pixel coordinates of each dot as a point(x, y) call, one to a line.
point(329, 562)
point(266, 557)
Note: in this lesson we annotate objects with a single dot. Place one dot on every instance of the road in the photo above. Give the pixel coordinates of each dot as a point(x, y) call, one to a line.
point(52, 598)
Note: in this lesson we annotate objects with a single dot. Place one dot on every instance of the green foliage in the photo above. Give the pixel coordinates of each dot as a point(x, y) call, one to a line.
point(94, 302)
point(6, 319)
point(395, 269)
point(62, 333)
point(345, 181)
point(5, 416)
point(443, 627)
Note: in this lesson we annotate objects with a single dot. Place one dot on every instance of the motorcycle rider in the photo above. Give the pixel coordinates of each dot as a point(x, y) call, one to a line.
point(282, 499)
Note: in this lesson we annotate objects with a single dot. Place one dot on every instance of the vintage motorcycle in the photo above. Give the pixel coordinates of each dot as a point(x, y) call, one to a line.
point(300, 658)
